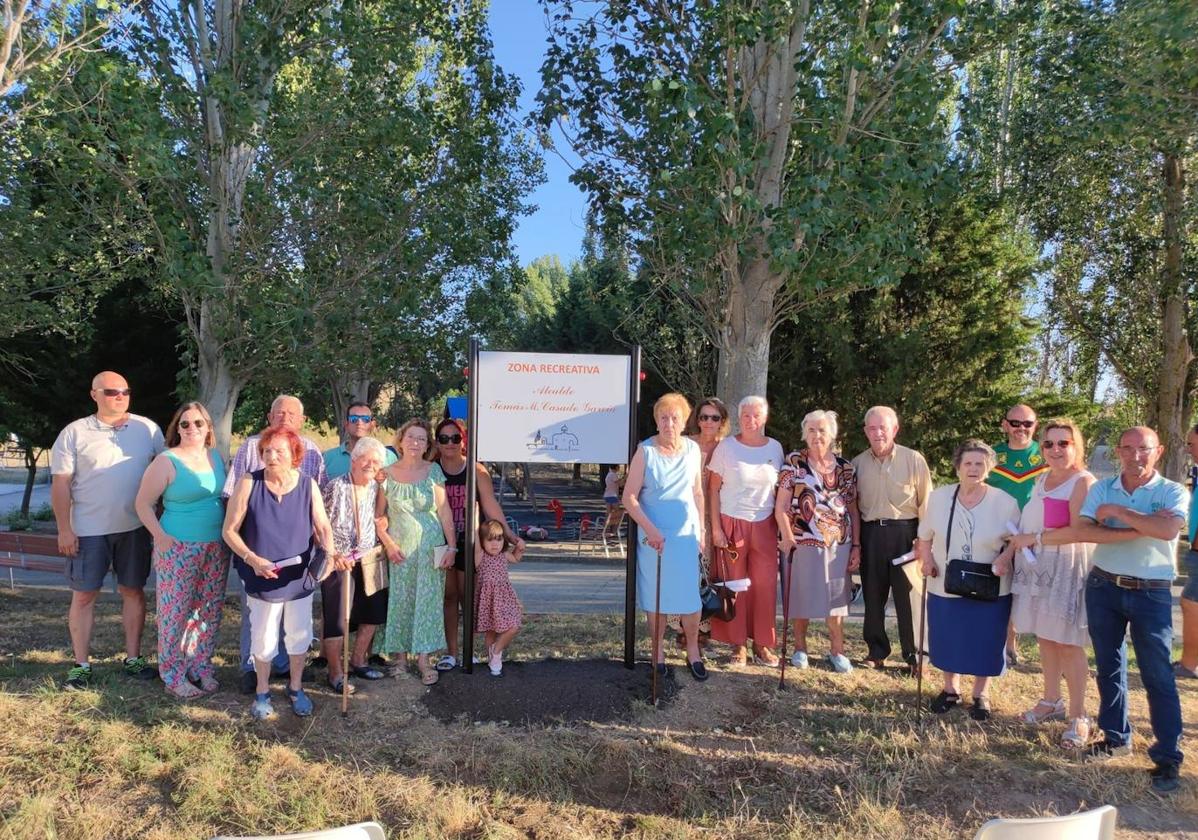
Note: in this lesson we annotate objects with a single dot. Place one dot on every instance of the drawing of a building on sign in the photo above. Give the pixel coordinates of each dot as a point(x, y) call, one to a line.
point(561, 440)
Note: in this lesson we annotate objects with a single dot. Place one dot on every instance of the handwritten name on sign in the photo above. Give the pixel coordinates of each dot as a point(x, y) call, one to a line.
point(562, 408)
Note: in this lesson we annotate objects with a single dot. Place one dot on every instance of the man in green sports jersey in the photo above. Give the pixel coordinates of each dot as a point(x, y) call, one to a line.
point(1019, 463)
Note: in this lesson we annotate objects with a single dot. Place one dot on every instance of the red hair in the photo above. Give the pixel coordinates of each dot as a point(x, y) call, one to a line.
point(293, 442)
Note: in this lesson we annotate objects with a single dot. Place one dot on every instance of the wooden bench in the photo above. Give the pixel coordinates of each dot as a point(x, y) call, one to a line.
point(33, 552)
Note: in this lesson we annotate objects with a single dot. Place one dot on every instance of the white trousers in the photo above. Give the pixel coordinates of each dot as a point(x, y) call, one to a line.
point(264, 626)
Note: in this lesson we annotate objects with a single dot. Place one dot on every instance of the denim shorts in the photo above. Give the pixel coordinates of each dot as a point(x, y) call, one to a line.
point(1190, 567)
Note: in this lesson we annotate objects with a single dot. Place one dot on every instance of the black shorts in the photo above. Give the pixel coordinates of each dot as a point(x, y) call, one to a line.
point(126, 553)
point(364, 609)
point(459, 556)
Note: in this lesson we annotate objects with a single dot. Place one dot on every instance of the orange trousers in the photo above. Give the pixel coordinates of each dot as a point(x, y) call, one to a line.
point(756, 543)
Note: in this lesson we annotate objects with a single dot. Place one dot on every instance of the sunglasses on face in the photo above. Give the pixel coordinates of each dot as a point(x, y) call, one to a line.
point(187, 424)
point(449, 438)
point(1020, 424)
point(360, 418)
point(115, 392)
point(710, 418)
point(1056, 444)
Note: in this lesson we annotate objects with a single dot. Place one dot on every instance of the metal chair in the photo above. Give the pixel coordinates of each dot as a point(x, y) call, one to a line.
point(1098, 824)
point(358, 831)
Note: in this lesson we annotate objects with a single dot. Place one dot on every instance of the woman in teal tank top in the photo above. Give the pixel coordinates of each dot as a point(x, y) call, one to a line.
point(191, 561)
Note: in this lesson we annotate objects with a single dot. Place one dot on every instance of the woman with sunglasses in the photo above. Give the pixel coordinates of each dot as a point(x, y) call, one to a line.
point(450, 453)
point(1049, 596)
point(191, 561)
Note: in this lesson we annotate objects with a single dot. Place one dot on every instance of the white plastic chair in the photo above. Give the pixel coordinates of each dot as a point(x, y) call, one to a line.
point(1098, 824)
point(359, 831)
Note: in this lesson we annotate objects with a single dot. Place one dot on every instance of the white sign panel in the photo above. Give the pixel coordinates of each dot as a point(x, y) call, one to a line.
point(553, 407)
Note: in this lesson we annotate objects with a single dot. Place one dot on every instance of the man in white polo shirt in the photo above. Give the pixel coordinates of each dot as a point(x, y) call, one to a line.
point(97, 465)
point(1135, 518)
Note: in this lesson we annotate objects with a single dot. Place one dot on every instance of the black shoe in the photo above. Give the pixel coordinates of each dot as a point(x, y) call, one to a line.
point(698, 670)
point(249, 682)
point(980, 710)
point(1104, 749)
point(78, 678)
point(944, 701)
point(139, 669)
point(378, 661)
point(366, 672)
point(1165, 778)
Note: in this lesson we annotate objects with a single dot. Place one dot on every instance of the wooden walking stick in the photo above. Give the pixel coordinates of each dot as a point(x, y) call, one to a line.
point(345, 582)
point(786, 571)
point(923, 611)
point(656, 626)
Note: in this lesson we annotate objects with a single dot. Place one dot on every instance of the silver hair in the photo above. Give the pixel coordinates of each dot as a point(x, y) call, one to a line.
point(819, 416)
point(975, 445)
point(882, 411)
point(275, 403)
point(368, 446)
point(751, 400)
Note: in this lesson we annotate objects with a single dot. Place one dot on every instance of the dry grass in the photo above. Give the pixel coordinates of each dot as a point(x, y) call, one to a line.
point(836, 757)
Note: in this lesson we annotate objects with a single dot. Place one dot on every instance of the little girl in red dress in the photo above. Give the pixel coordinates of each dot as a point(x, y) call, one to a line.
point(498, 614)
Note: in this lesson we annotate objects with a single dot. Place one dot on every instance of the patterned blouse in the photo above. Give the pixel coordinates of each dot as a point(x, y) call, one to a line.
point(819, 511)
point(339, 505)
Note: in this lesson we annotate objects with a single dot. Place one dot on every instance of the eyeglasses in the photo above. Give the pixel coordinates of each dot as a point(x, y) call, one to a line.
point(1056, 444)
point(710, 418)
point(1138, 450)
point(115, 392)
point(360, 418)
point(449, 438)
point(1016, 424)
point(187, 424)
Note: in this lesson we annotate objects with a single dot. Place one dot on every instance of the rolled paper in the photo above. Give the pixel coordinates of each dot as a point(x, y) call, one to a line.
point(1028, 556)
point(903, 559)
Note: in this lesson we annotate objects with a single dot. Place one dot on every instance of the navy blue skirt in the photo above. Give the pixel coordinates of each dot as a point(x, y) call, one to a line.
point(967, 636)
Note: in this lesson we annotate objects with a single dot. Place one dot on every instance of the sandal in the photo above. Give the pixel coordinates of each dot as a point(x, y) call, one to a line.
point(446, 663)
point(207, 683)
point(301, 703)
point(980, 710)
point(766, 657)
point(184, 691)
point(337, 686)
point(739, 656)
point(429, 677)
point(1044, 711)
point(1077, 735)
point(945, 701)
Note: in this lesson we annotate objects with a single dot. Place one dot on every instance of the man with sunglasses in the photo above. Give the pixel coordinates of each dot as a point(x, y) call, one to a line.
point(97, 465)
point(359, 423)
point(286, 412)
point(1019, 462)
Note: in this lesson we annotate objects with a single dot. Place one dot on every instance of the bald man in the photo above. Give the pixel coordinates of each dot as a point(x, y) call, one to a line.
point(1135, 518)
point(97, 465)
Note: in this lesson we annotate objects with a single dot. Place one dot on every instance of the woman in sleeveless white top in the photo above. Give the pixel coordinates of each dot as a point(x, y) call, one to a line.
point(1049, 594)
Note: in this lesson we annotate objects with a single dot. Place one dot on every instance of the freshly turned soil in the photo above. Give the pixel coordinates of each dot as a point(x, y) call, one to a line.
point(550, 691)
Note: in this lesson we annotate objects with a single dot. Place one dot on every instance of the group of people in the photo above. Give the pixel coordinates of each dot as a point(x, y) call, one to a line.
point(372, 528)
point(1025, 540)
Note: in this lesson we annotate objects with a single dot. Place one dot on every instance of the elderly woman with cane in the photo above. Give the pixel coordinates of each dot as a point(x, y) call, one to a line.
point(350, 501)
point(816, 510)
point(960, 545)
point(663, 494)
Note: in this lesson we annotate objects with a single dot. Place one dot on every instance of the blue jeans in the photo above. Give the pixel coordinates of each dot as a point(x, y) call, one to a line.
point(279, 664)
point(1109, 610)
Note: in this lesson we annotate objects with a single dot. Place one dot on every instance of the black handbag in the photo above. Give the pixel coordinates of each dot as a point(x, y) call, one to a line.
point(967, 578)
point(718, 601)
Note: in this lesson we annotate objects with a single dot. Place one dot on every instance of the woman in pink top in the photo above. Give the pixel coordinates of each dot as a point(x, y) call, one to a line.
point(742, 480)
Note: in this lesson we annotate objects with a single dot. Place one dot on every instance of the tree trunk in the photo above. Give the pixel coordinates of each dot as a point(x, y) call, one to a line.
point(1176, 352)
point(347, 390)
point(30, 477)
point(745, 337)
point(219, 388)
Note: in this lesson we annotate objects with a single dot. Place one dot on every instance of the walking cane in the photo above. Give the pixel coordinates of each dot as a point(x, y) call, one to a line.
point(786, 571)
point(345, 643)
point(923, 612)
point(656, 625)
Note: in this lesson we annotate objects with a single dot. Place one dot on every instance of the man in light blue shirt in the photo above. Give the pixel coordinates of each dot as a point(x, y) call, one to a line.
point(359, 423)
point(1135, 518)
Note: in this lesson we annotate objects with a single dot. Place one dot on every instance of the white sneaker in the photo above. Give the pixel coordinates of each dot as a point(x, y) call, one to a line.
point(799, 659)
point(496, 663)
